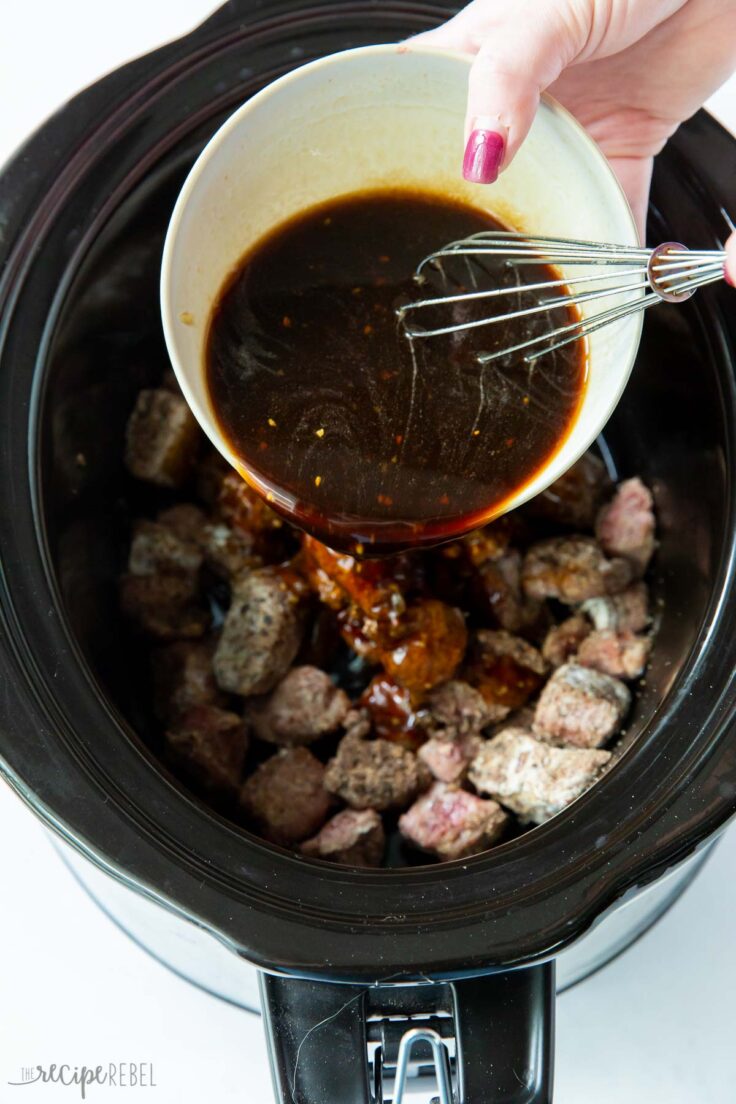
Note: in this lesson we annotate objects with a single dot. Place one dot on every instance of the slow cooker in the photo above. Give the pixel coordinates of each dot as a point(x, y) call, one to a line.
point(364, 976)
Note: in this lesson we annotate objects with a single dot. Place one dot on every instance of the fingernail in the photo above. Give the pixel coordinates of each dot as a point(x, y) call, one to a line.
point(483, 156)
point(728, 277)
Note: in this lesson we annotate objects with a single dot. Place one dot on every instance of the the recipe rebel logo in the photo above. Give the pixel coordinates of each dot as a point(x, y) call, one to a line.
point(117, 1075)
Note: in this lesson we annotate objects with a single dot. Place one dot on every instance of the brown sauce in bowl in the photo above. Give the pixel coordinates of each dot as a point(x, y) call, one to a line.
point(367, 440)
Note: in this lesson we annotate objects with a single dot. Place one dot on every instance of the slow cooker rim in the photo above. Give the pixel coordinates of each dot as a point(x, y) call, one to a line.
point(338, 877)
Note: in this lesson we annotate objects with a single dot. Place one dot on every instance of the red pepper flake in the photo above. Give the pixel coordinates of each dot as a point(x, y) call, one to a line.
point(384, 258)
point(384, 500)
point(262, 446)
point(399, 438)
point(444, 500)
point(509, 442)
point(386, 375)
point(286, 322)
point(367, 329)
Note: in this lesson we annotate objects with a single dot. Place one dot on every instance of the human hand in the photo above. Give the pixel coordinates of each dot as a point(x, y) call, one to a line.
point(629, 70)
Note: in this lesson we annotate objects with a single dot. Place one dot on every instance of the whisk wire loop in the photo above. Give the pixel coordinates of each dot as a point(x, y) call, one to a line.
point(636, 276)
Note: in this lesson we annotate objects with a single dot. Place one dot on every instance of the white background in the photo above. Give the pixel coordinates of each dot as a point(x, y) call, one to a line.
point(657, 1026)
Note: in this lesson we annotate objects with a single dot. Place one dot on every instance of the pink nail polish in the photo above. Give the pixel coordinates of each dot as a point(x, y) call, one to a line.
point(727, 277)
point(483, 156)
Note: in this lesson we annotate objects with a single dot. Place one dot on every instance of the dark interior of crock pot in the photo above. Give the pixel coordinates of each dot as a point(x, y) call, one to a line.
point(108, 344)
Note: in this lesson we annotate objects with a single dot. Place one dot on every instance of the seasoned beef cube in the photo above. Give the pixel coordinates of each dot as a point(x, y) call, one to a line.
point(430, 648)
point(498, 593)
point(627, 611)
point(574, 498)
point(448, 756)
point(375, 774)
point(162, 438)
point(395, 712)
point(260, 636)
point(491, 542)
point(451, 823)
point(209, 744)
point(164, 606)
point(530, 778)
point(305, 705)
point(185, 520)
point(625, 527)
point(157, 548)
point(580, 708)
point(457, 709)
point(183, 677)
point(226, 551)
point(621, 654)
point(285, 796)
point(572, 569)
point(372, 585)
point(357, 723)
point(505, 669)
point(243, 508)
point(563, 640)
point(354, 837)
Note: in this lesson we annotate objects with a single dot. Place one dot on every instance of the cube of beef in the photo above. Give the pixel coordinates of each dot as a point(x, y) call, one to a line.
point(448, 756)
point(285, 796)
point(157, 548)
point(497, 592)
point(226, 551)
point(375, 774)
point(209, 745)
point(457, 709)
point(505, 669)
point(183, 677)
point(451, 823)
point(580, 707)
point(626, 526)
point(354, 837)
point(431, 646)
point(572, 569)
point(260, 636)
point(241, 507)
point(621, 654)
point(530, 778)
point(162, 438)
point(562, 641)
point(305, 705)
point(627, 611)
point(164, 606)
point(574, 498)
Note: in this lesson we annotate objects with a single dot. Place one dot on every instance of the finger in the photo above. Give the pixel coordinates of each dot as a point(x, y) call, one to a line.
point(510, 71)
point(730, 266)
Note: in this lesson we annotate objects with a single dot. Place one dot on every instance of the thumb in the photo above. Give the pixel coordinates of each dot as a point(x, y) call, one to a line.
point(521, 49)
point(730, 266)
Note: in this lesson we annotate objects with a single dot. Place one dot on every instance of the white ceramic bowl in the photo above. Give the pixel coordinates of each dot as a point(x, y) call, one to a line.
point(379, 117)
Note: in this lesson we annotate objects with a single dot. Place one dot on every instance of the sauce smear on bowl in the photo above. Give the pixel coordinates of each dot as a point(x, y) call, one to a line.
point(367, 440)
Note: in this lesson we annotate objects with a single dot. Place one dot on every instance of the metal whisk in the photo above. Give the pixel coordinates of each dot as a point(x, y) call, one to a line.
point(635, 278)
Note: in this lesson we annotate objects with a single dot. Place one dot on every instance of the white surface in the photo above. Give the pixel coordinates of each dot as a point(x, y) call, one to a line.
point(655, 1027)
